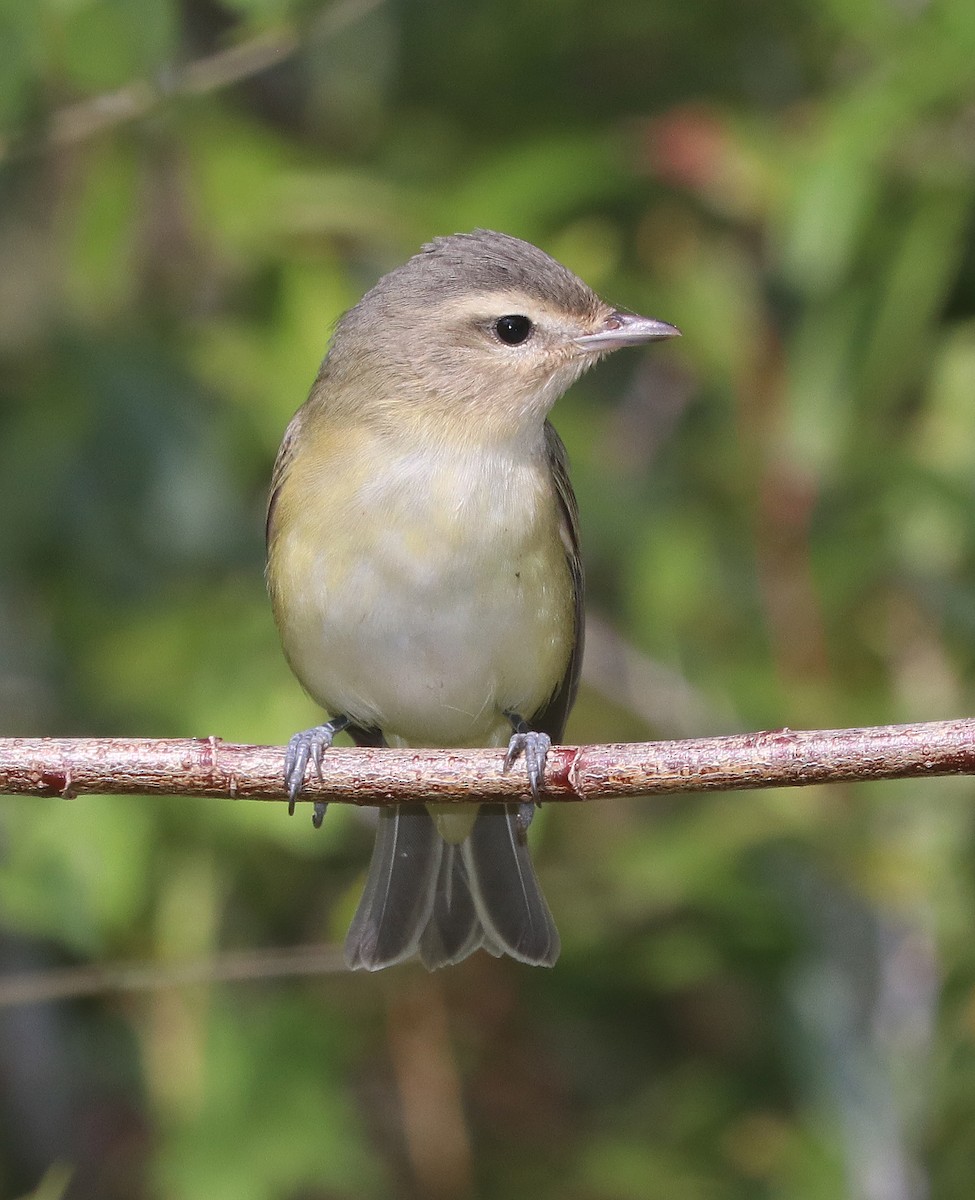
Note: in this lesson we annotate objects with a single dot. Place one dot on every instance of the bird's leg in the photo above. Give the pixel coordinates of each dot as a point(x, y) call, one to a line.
point(310, 744)
point(535, 747)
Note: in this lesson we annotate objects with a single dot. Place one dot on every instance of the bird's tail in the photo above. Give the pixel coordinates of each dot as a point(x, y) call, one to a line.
point(428, 896)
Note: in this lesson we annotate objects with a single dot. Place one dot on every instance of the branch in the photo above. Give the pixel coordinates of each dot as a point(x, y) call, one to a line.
point(82, 120)
point(232, 966)
point(211, 767)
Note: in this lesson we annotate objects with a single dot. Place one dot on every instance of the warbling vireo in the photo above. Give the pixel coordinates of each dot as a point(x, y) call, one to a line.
point(424, 568)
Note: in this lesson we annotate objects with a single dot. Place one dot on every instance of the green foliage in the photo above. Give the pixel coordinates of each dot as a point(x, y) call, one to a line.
point(765, 995)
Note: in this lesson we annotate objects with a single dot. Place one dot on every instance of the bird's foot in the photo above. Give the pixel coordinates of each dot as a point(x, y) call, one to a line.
point(535, 747)
point(308, 746)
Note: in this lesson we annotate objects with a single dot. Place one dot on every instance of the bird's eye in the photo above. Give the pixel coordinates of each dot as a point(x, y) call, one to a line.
point(513, 329)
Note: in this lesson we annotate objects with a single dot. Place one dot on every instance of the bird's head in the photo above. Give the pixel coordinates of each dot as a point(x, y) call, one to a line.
point(478, 327)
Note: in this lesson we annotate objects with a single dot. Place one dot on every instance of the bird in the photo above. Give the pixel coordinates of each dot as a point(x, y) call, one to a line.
point(425, 576)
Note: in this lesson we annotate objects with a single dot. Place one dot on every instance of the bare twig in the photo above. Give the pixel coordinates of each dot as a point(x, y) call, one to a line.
point(655, 693)
point(74, 123)
point(69, 983)
point(210, 767)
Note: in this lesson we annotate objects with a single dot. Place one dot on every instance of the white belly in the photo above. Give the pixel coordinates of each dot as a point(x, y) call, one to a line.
point(439, 602)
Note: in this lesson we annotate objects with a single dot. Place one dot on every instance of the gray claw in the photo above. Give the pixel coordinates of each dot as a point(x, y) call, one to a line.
point(535, 747)
point(524, 817)
point(318, 746)
point(307, 746)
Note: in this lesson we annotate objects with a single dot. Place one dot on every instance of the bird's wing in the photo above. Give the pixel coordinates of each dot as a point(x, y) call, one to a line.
point(551, 719)
point(281, 465)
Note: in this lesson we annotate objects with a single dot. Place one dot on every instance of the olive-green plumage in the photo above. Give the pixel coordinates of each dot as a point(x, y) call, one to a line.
point(424, 568)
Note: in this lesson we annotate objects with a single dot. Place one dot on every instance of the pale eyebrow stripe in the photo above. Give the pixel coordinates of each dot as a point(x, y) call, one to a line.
point(502, 302)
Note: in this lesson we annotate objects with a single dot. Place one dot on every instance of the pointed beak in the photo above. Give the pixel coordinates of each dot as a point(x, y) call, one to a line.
point(625, 329)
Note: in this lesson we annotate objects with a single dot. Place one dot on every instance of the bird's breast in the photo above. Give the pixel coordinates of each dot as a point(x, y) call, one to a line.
point(425, 591)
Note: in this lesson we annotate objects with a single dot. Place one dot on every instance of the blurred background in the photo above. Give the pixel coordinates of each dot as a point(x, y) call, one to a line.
point(760, 995)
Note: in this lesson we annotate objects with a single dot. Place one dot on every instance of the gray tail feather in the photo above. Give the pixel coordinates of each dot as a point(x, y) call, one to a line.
point(426, 896)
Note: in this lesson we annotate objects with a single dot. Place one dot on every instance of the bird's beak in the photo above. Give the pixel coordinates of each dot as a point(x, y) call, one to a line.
point(625, 329)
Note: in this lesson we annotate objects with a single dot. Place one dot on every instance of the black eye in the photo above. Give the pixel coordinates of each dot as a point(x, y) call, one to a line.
point(513, 330)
